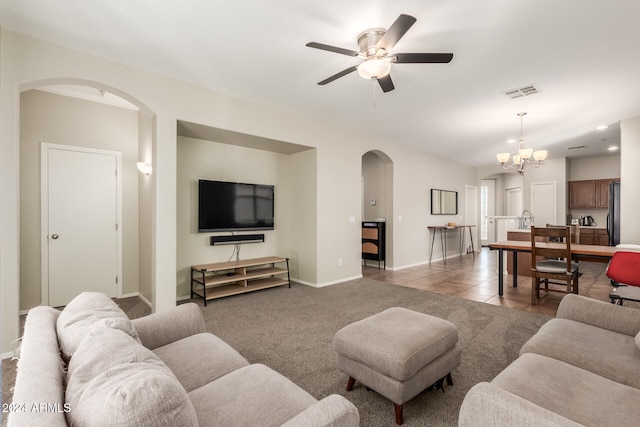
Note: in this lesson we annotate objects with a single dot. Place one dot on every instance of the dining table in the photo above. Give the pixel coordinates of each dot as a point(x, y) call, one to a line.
point(590, 253)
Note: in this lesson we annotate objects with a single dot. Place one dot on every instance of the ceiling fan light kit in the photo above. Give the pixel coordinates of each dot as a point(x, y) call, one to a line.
point(375, 45)
point(522, 161)
point(374, 68)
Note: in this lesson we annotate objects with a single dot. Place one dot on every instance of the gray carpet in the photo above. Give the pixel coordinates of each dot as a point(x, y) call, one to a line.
point(290, 330)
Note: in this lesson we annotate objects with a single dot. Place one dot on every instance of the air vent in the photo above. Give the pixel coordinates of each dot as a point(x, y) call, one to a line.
point(519, 92)
point(578, 147)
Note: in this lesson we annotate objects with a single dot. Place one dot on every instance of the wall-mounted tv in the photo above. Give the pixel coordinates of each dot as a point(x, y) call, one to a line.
point(233, 206)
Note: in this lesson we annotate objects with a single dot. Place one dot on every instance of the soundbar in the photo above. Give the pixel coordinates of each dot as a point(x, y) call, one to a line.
point(240, 238)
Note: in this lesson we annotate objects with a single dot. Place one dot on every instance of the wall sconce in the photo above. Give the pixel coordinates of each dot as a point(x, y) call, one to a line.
point(144, 167)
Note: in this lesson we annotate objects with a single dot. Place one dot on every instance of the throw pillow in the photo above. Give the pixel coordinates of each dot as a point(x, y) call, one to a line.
point(85, 313)
point(114, 380)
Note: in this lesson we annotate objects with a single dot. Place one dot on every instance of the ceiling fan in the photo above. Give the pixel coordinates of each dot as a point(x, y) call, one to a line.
point(375, 45)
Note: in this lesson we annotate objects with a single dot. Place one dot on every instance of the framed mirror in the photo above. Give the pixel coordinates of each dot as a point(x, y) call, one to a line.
point(444, 202)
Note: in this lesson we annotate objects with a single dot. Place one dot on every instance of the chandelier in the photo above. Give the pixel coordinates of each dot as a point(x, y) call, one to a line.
point(523, 159)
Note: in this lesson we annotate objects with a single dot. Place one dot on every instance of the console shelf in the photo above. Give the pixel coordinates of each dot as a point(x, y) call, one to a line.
point(223, 279)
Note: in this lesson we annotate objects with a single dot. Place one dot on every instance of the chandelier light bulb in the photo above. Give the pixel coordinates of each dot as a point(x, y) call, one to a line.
point(525, 153)
point(540, 155)
point(503, 157)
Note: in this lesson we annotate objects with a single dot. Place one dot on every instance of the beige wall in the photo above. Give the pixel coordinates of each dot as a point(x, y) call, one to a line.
point(415, 173)
point(602, 167)
point(146, 124)
point(303, 205)
point(199, 159)
point(57, 119)
point(629, 179)
point(374, 175)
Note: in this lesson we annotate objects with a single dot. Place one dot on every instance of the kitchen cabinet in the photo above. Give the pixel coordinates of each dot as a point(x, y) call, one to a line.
point(602, 192)
point(582, 194)
point(587, 236)
point(602, 237)
point(594, 236)
point(589, 194)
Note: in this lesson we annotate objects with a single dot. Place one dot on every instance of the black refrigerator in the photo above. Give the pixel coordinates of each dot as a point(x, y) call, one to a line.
point(613, 217)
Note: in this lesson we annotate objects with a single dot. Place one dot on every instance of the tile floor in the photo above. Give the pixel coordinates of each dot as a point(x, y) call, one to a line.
point(477, 279)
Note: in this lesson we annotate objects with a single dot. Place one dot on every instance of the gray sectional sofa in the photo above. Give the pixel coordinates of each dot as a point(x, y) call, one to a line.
point(580, 368)
point(89, 365)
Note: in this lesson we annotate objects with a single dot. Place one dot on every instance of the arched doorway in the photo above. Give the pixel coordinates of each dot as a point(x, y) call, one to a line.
point(53, 103)
point(377, 198)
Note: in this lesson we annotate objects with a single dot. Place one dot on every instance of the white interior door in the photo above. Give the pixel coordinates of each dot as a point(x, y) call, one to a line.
point(81, 238)
point(544, 206)
point(514, 201)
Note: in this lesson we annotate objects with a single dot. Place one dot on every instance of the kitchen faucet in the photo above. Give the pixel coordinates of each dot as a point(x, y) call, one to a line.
point(526, 221)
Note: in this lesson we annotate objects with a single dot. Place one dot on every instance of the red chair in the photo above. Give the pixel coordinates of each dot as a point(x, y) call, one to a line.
point(624, 269)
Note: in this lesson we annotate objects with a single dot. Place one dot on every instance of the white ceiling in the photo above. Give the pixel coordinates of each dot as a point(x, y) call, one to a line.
point(583, 55)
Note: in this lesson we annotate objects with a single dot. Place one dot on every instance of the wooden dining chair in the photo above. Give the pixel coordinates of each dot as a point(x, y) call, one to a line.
point(551, 261)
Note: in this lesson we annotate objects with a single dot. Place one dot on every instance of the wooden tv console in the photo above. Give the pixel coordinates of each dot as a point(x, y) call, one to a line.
point(223, 279)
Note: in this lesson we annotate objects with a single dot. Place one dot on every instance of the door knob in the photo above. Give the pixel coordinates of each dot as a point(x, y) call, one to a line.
point(54, 236)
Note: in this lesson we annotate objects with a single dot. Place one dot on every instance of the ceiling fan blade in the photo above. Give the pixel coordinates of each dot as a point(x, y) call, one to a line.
point(338, 75)
point(395, 32)
point(386, 83)
point(333, 49)
point(415, 58)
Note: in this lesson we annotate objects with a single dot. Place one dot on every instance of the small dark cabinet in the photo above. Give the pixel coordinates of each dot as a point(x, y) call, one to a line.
point(373, 241)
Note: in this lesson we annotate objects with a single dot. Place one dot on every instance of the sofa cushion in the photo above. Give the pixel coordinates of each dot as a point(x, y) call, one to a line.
point(217, 358)
point(590, 348)
point(251, 396)
point(114, 380)
point(332, 411)
point(571, 392)
point(487, 405)
point(85, 313)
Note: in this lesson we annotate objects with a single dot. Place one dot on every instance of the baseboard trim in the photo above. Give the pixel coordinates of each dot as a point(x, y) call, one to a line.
point(322, 285)
point(139, 295)
point(10, 354)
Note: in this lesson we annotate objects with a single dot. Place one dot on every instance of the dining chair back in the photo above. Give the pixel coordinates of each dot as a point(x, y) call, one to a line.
point(551, 262)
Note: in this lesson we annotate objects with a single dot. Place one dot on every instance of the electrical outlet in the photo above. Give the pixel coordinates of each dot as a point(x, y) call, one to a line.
point(339, 261)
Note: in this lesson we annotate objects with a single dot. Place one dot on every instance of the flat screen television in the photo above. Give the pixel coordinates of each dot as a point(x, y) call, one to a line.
point(233, 206)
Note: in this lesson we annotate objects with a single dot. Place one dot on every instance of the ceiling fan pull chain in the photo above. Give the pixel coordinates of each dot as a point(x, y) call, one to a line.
point(373, 80)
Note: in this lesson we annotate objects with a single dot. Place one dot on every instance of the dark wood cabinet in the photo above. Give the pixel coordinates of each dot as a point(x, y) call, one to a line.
point(582, 194)
point(602, 237)
point(602, 192)
point(594, 236)
point(587, 236)
point(524, 259)
point(590, 194)
point(373, 241)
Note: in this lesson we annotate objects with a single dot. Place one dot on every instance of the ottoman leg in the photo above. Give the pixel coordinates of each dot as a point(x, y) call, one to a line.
point(399, 419)
point(350, 384)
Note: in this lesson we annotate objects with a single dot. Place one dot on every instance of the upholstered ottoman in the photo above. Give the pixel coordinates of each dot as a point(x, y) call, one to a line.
point(398, 353)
